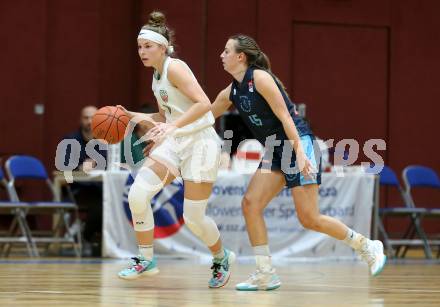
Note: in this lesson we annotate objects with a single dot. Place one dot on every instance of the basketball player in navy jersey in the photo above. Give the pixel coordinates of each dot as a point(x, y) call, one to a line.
point(266, 109)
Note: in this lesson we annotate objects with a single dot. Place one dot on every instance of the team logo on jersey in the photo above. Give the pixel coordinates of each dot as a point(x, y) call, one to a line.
point(245, 104)
point(167, 208)
point(251, 86)
point(164, 95)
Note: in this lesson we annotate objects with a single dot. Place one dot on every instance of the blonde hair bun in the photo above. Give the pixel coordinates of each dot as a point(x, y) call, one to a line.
point(157, 19)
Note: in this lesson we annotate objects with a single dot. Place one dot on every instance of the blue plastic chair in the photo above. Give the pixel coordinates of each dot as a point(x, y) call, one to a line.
point(24, 167)
point(417, 176)
point(420, 176)
point(388, 178)
point(18, 230)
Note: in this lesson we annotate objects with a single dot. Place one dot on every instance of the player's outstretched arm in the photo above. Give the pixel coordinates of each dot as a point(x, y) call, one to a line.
point(222, 102)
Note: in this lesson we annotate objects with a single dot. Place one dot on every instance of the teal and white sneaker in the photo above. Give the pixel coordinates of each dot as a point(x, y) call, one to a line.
point(139, 266)
point(221, 270)
point(372, 253)
point(260, 280)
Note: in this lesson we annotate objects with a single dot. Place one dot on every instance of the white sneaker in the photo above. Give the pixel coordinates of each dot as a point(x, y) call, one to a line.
point(372, 253)
point(260, 280)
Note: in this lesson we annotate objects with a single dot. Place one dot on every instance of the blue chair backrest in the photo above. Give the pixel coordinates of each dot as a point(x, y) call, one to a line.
point(420, 176)
point(2, 176)
point(26, 167)
point(388, 177)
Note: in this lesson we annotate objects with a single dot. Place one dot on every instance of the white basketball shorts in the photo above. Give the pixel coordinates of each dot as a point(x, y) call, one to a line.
point(196, 156)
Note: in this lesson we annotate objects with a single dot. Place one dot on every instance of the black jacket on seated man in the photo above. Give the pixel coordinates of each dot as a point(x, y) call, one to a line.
point(88, 195)
point(77, 135)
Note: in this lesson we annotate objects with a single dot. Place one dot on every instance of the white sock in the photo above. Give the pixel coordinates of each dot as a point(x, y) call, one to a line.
point(262, 257)
point(354, 239)
point(264, 263)
point(261, 250)
point(220, 254)
point(146, 251)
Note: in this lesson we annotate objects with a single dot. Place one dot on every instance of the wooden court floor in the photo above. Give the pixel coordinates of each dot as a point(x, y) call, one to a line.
point(93, 282)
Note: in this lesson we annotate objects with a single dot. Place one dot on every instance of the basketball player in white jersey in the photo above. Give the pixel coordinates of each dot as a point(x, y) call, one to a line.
point(186, 145)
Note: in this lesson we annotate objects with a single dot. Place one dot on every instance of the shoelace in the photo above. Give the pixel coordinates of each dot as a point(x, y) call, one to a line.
point(215, 267)
point(253, 277)
point(367, 256)
point(134, 261)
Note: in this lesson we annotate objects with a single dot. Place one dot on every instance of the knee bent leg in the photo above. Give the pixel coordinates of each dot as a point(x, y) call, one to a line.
point(309, 221)
point(146, 185)
point(201, 225)
point(250, 206)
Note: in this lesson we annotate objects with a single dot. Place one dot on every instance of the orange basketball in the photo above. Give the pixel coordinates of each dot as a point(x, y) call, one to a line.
point(109, 123)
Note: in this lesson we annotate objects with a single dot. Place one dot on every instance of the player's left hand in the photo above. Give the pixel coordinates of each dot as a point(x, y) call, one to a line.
point(160, 132)
point(305, 166)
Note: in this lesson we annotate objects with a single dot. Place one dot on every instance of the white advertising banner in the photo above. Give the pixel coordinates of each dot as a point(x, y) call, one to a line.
point(348, 198)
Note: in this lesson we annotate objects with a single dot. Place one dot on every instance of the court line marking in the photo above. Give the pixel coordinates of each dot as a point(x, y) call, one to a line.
point(43, 292)
point(372, 288)
point(94, 261)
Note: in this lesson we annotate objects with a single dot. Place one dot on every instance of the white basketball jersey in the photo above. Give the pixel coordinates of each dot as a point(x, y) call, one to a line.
point(174, 103)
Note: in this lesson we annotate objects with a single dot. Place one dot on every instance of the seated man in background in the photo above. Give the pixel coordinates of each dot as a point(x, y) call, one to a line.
point(88, 195)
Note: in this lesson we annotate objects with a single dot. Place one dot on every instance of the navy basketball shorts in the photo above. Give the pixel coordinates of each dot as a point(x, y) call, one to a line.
point(284, 160)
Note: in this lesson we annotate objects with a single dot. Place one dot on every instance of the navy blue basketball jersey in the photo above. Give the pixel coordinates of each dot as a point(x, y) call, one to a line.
point(256, 112)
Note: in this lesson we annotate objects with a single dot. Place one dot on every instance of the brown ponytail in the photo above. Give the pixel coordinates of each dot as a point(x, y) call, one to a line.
point(262, 60)
point(254, 55)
